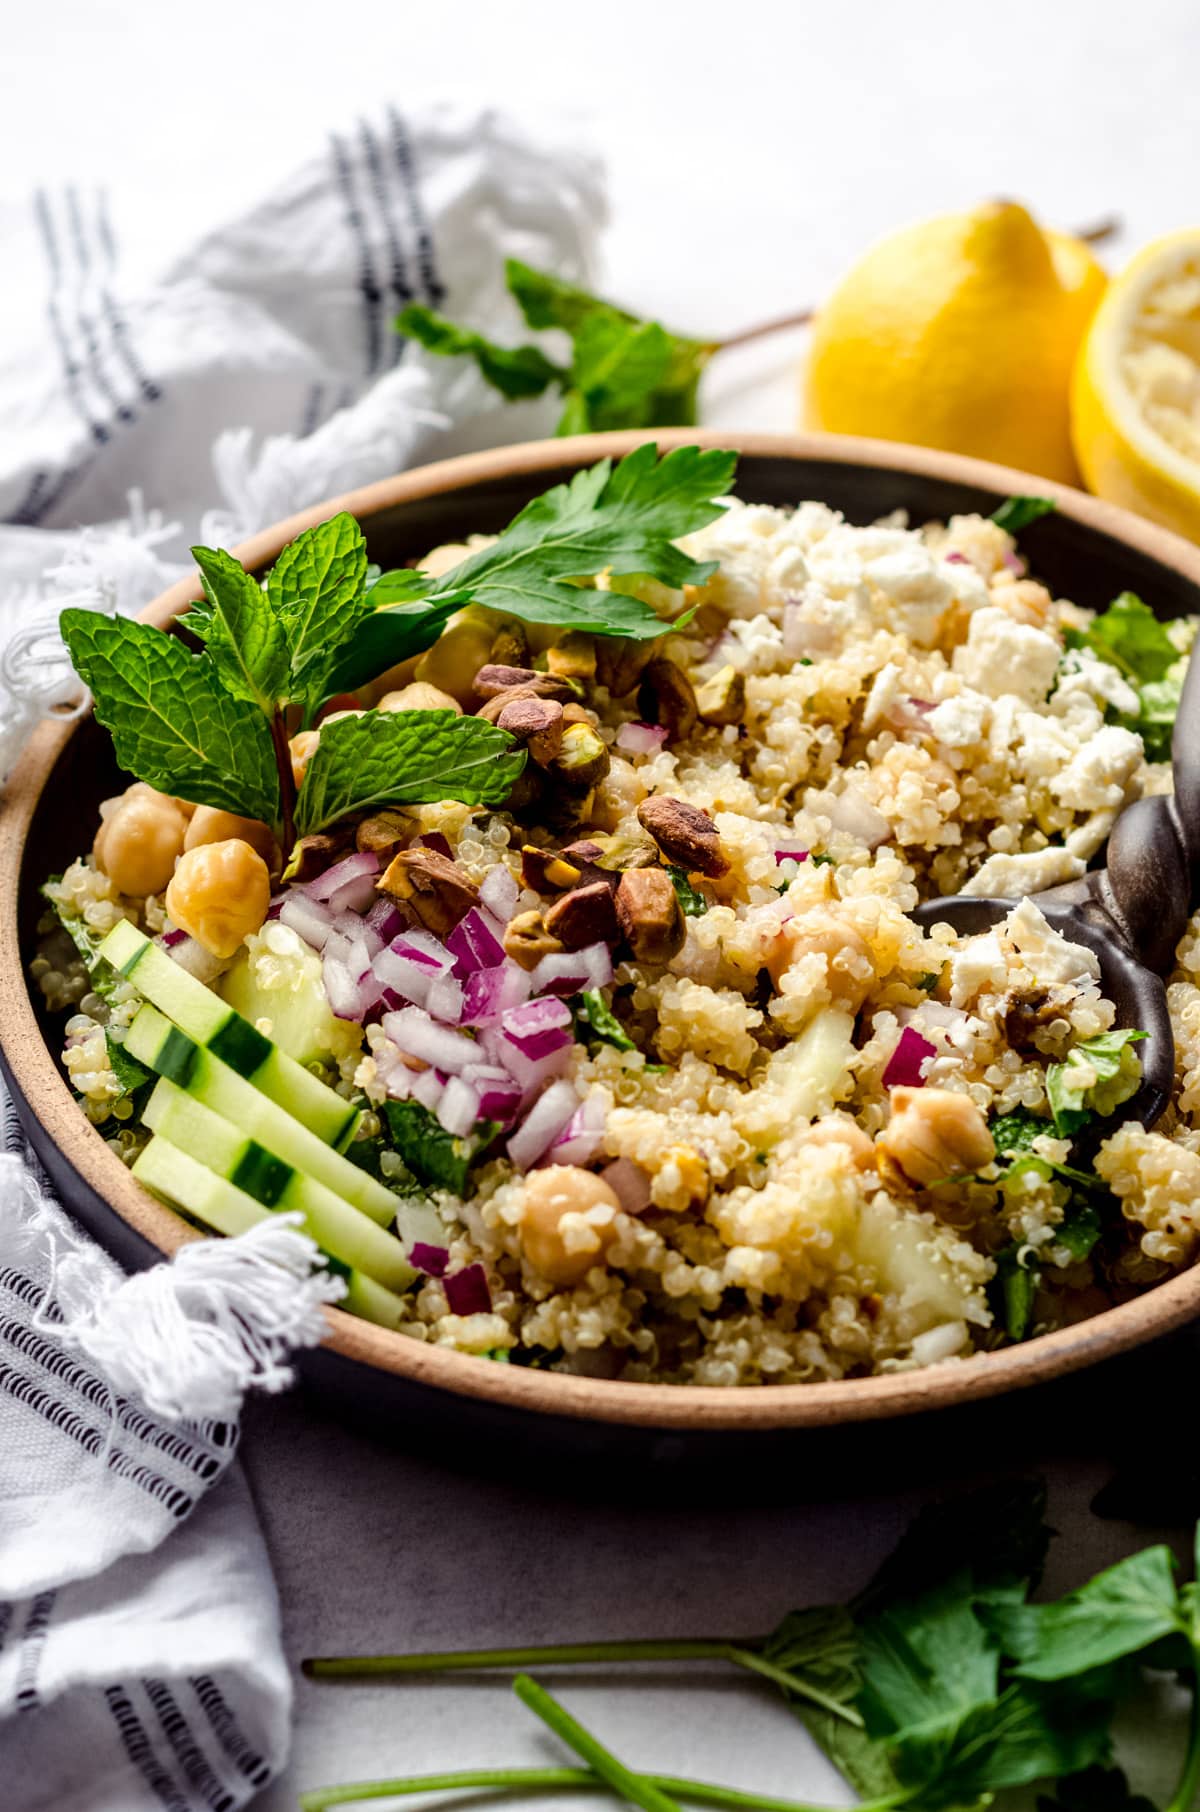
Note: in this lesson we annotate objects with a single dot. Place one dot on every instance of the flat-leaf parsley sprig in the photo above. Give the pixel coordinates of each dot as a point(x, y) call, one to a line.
point(939, 1686)
point(214, 727)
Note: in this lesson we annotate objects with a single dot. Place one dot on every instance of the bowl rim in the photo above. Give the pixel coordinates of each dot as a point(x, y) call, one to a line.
point(35, 1075)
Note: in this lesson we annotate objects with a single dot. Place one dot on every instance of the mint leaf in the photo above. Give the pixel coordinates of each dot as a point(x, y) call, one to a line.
point(1017, 1131)
point(515, 371)
point(405, 758)
point(244, 637)
point(1119, 1612)
point(618, 368)
point(594, 1015)
point(436, 1158)
point(1072, 1086)
point(1017, 513)
point(1130, 637)
point(623, 520)
point(318, 590)
point(172, 724)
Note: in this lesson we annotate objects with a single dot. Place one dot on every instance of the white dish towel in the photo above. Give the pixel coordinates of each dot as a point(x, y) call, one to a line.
point(140, 1658)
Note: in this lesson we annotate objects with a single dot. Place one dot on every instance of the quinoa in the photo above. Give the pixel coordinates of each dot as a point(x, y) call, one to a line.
point(916, 723)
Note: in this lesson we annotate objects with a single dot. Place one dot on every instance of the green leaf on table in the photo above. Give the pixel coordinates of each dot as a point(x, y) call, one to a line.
point(435, 1157)
point(1072, 1086)
point(238, 626)
point(1028, 1733)
point(405, 758)
point(820, 1646)
point(623, 520)
point(596, 1023)
point(998, 1533)
point(172, 723)
point(517, 372)
point(926, 1658)
point(1016, 513)
point(318, 591)
point(1119, 1612)
point(1130, 637)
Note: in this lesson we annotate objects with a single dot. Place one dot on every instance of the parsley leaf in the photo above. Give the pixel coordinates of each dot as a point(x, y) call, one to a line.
point(172, 722)
point(129, 1073)
point(623, 520)
point(694, 904)
point(435, 1157)
point(517, 372)
point(1074, 1087)
point(1119, 1612)
point(1016, 1131)
point(594, 1015)
point(1131, 638)
point(244, 637)
point(405, 758)
point(100, 973)
point(1154, 721)
point(1016, 513)
point(1024, 1735)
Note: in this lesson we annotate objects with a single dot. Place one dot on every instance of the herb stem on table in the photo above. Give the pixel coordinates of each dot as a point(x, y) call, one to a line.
point(741, 1651)
point(515, 1780)
point(634, 1788)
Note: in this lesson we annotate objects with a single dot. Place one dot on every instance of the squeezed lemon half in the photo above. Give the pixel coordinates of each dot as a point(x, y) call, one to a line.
point(1135, 395)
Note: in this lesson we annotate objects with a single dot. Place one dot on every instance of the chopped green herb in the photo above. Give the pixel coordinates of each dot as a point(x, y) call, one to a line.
point(694, 904)
point(1017, 513)
point(1073, 1087)
point(100, 973)
point(819, 859)
point(1129, 637)
point(929, 981)
point(130, 1074)
point(596, 1023)
point(1012, 1293)
point(435, 1157)
point(1017, 1131)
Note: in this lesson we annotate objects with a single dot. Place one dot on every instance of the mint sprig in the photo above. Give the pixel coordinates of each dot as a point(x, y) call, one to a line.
point(405, 758)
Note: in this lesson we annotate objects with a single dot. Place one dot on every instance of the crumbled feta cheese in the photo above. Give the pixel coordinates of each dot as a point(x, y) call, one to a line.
point(1041, 747)
point(886, 692)
point(961, 722)
point(915, 584)
point(1048, 954)
point(1100, 772)
point(751, 644)
point(1085, 675)
point(1005, 877)
point(979, 964)
point(1001, 656)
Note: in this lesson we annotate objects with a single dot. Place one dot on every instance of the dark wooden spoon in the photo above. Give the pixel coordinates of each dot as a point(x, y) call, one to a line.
point(1131, 913)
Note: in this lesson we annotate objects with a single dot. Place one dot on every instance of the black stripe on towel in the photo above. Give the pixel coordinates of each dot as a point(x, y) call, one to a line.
point(140, 1750)
point(72, 370)
point(33, 1641)
point(87, 325)
point(368, 282)
point(382, 184)
point(190, 1756)
point(61, 1416)
point(118, 324)
point(228, 1732)
point(435, 289)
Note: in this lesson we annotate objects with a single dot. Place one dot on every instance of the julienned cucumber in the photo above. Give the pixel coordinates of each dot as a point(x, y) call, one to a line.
point(337, 1227)
point(163, 1048)
point(209, 1021)
point(179, 1179)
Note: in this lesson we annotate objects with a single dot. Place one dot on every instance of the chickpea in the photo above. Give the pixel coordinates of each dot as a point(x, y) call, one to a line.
point(138, 841)
point(565, 1255)
point(935, 1133)
point(464, 646)
point(219, 894)
point(303, 747)
point(849, 971)
point(420, 696)
point(212, 826)
point(842, 1131)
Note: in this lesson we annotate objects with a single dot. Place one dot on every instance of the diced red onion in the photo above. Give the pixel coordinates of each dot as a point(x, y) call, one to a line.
point(427, 1089)
point(385, 917)
point(1015, 564)
point(581, 1137)
point(629, 1183)
point(467, 1291)
point(500, 892)
point(435, 841)
point(474, 945)
point(458, 1108)
point(273, 910)
point(906, 1065)
point(499, 1093)
point(536, 1045)
point(307, 917)
point(430, 1259)
point(569, 971)
point(532, 1073)
point(349, 996)
point(542, 1124)
point(412, 1031)
point(358, 867)
point(956, 559)
point(791, 855)
point(641, 739)
point(535, 1017)
point(445, 1000)
point(171, 939)
point(355, 896)
point(423, 948)
point(490, 992)
point(194, 958)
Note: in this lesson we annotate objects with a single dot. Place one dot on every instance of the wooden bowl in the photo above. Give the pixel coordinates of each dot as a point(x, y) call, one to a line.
point(1087, 550)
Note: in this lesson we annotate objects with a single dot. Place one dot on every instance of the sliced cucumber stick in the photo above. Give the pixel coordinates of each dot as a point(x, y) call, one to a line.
point(177, 1177)
point(209, 1021)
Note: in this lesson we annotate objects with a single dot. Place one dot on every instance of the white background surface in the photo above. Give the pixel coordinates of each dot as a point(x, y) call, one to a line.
point(753, 148)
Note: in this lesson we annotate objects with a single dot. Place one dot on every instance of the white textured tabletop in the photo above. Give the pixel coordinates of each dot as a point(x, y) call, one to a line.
point(753, 149)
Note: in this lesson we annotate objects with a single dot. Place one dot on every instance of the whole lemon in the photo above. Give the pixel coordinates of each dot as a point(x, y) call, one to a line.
point(959, 332)
point(1135, 400)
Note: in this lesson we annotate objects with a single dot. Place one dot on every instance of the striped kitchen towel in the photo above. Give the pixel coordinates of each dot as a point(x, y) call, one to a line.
point(141, 1666)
